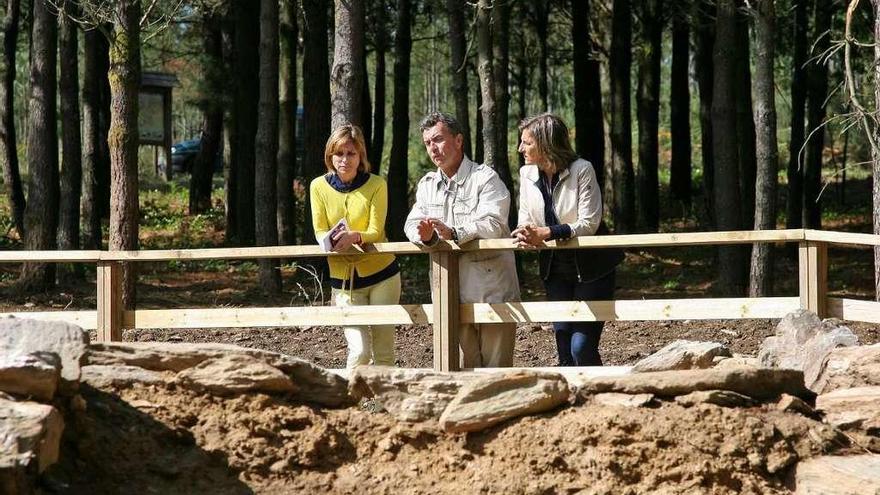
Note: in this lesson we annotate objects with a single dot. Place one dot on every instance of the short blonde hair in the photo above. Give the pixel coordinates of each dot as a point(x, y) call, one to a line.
point(343, 133)
point(551, 140)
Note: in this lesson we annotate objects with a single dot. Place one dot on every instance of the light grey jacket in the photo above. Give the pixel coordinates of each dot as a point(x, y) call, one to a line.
point(476, 203)
point(577, 200)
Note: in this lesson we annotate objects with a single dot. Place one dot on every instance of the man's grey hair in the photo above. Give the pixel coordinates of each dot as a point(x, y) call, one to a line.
point(435, 118)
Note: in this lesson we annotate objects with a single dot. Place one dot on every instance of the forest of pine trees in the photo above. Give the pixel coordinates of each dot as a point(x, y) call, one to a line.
point(730, 113)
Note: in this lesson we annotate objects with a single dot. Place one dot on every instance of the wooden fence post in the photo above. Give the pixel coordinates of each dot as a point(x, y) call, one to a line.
point(445, 307)
point(109, 301)
point(813, 276)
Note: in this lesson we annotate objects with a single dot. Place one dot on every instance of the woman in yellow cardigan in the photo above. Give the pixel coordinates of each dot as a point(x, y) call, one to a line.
point(348, 190)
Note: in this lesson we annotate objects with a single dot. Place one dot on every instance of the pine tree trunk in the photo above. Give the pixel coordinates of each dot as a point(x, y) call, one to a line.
point(795, 173)
point(680, 114)
point(200, 184)
point(487, 81)
point(731, 263)
point(588, 123)
point(704, 70)
point(95, 49)
point(265, 187)
point(287, 159)
point(620, 60)
point(648, 110)
point(316, 98)
point(41, 214)
point(478, 122)
point(458, 68)
point(398, 175)
point(125, 78)
point(378, 142)
point(817, 93)
point(230, 135)
point(745, 123)
point(8, 143)
point(875, 153)
point(247, 91)
point(501, 79)
point(71, 156)
point(348, 72)
point(761, 275)
point(542, 24)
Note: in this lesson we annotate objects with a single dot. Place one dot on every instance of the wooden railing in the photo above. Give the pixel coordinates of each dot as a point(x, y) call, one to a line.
point(446, 313)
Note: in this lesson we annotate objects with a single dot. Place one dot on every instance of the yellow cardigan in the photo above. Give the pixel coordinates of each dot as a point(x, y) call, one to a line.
point(364, 209)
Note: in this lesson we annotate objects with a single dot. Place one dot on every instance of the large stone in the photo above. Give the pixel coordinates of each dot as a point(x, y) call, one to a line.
point(315, 384)
point(122, 376)
point(69, 342)
point(30, 436)
point(723, 398)
point(614, 399)
point(736, 361)
point(837, 475)
point(851, 408)
point(682, 355)
point(802, 342)
point(35, 375)
point(409, 394)
point(499, 397)
point(235, 374)
point(848, 367)
point(758, 383)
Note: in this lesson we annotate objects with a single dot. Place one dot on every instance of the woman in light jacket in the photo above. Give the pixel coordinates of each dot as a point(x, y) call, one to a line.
point(348, 190)
point(560, 198)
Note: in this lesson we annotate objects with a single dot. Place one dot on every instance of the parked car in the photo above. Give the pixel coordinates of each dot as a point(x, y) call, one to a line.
point(183, 155)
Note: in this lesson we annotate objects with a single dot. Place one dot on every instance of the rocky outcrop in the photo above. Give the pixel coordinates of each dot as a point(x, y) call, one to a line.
point(833, 475)
point(500, 396)
point(313, 383)
point(68, 342)
point(802, 341)
point(757, 383)
point(409, 394)
point(122, 376)
point(30, 375)
point(682, 355)
point(614, 399)
point(852, 408)
point(723, 398)
point(235, 374)
point(30, 436)
point(848, 367)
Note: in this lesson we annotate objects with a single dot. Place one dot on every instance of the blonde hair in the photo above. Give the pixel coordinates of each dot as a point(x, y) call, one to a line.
point(342, 134)
point(551, 140)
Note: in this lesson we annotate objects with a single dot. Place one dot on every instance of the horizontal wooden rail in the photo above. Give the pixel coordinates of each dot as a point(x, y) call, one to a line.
point(854, 309)
point(851, 238)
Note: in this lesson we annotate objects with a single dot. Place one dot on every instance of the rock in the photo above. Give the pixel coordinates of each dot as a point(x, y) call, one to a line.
point(802, 342)
point(235, 374)
point(614, 399)
point(682, 355)
point(851, 408)
point(121, 376)
point(497, 397)
point(837, 475)
point(315, 384)
point(790, 403)
point(723, 398)
point(758, 383)
point(848, 367)
point(68, 341)
point(35, 375)
point(736, 361)
point(30, 436)
point(409, 394)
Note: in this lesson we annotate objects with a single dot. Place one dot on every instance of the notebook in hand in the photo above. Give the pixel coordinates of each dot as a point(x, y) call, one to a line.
point(327, 242)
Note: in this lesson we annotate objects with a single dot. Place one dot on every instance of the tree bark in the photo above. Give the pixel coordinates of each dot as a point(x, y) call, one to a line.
point(381, 41)
point(95, 159)
point(620, 60)
point(458, 68)
point(230, 134)
point(8, 143)
point(316, 98)
point(200, 184)
point(398, 175)
point(875, 152)
point(589, 126)
point(500, 17)
point(648, 110)
point(247, 91)
point(287, 159)
point(745, 124)
point(41, 214)
point(125, 78)
point(487, 81)
point(731, 263)
point(680, 114)
point(348, 72)
point(704, 70)
point(540, 10)
point(817, 92)
point(761, 275)
point(71, 156)
point(795, 200)
point(267, 146)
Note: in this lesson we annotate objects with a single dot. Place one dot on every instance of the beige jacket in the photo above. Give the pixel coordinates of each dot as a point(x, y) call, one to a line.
point(577, 200)
point(476, 204)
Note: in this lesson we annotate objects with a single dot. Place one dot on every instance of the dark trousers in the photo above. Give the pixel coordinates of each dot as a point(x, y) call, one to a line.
point(578, 342)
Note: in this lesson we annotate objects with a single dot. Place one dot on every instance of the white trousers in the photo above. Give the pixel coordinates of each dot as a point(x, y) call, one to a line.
point(373, 344)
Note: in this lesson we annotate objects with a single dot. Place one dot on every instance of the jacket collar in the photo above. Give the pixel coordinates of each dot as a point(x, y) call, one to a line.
point(533, 173)
point(461, 176)
point(336, 183)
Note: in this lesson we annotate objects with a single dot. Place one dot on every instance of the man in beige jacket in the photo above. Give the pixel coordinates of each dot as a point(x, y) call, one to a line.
point(462, 201)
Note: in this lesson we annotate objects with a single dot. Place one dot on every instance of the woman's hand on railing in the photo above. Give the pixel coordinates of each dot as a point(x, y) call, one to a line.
point(345, 239)
point(530, 236)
